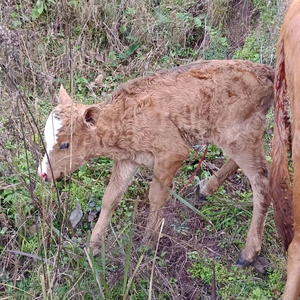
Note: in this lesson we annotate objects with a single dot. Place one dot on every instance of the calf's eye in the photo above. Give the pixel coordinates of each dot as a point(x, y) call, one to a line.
point(64, 146)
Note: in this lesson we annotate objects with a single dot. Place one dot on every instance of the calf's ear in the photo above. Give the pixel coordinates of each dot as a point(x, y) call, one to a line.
point(63, 96)
point(91, 116)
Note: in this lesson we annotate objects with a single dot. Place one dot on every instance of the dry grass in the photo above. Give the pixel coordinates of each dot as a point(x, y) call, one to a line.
point(219, 11)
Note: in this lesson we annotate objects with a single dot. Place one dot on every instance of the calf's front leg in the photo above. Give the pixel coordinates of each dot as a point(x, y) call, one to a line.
point(121, 177)
point(164, 172)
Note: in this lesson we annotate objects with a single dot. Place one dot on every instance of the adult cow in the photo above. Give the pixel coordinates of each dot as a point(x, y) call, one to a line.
point(287, 78)
point(155, 121)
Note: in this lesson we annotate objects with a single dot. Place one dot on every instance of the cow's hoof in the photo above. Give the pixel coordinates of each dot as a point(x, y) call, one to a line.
point(243, 263)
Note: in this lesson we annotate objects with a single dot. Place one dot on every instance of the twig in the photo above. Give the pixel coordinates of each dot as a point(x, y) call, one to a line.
point(13, 185)
point(31, 256)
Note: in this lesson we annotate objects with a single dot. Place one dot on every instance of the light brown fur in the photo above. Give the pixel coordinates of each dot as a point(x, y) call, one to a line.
point(288, 79)
point(157, 119)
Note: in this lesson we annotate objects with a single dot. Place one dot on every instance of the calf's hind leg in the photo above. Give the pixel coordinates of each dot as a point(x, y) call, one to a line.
point(217, 179)
point(251, 159)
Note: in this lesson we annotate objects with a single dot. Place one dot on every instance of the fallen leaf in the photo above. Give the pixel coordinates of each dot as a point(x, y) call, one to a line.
point(76, 215)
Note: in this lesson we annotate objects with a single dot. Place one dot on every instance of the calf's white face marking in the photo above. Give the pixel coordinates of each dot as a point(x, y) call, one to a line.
point(53, 125)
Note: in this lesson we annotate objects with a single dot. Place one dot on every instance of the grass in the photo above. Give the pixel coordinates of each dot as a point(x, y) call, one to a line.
point(46, 43)
point(234, 281)
point(220, 229)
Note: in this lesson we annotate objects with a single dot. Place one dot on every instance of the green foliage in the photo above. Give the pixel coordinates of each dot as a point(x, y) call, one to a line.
point(40, 7)
point(219, 46)
point(81, 83)
point(16, 20)
point(250, 51)
point(130, 50)
point(236, 282)
point(214, 152)
point(30, 245)
point(16, 200)
point(267, 11)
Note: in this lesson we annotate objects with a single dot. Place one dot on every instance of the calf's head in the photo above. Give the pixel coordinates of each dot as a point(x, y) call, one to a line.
point(71, 137)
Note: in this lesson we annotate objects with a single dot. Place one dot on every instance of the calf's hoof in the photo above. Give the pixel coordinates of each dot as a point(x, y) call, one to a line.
point(201, 197)
point(243, 263)
point(260, 264)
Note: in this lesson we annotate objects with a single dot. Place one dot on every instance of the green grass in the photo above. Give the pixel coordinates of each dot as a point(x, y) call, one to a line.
point(236, 282)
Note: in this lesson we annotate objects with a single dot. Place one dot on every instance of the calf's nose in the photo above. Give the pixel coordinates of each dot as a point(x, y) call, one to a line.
point(43, 176)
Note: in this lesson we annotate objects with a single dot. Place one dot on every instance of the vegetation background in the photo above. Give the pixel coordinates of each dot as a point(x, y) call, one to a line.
point(91, 46)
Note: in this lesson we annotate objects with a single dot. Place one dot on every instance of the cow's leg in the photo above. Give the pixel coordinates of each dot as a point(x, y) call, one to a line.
point(292, 287)
point(164, 172)
point(121, 176)
point(217, 179)
point(251, 159)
